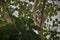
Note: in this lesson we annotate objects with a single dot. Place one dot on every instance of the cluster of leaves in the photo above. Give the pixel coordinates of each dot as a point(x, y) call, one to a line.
point(22, 28)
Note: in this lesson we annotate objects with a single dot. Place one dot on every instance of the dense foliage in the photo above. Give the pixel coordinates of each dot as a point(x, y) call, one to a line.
point(16, 20)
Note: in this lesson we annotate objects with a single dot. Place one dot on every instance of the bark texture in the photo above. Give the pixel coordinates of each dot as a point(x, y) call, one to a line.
point(38, 16)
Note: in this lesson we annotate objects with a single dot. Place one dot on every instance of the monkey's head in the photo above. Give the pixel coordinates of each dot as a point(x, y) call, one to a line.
point(38, 12)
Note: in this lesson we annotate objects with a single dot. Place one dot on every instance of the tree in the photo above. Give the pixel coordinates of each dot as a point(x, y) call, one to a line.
point(18, 19)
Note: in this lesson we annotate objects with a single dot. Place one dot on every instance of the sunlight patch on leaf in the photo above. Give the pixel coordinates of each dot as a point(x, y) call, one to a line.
point(35, 31)
point(15, 13)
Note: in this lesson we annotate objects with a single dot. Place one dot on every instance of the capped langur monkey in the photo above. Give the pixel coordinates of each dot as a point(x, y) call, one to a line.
point(38, 17)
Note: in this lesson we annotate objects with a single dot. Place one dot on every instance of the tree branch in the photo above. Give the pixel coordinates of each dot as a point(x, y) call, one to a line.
point(42, 12)
point(38, 16)
point(35, 6)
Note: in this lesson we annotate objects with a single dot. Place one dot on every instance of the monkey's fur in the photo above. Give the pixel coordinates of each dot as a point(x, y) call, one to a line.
point(38, 17)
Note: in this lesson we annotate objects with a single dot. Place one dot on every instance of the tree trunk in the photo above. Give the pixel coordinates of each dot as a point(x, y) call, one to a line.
point(38, 17)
